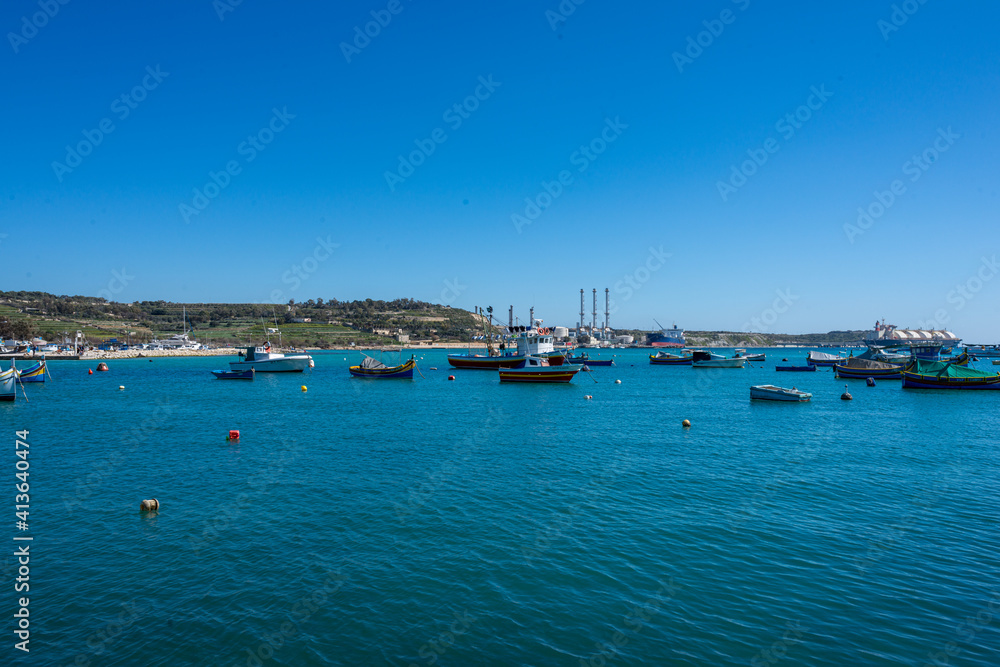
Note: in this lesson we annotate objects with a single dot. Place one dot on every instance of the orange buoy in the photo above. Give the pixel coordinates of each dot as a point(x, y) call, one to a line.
point(149, 505)
point(90, 371)
point(233, 435)
point(451, 377)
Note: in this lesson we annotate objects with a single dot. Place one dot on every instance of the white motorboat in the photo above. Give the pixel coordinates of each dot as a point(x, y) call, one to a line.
point(753, 356)
point(262, 360)
point(704, 359)
point(8, 388)
point(769, 392)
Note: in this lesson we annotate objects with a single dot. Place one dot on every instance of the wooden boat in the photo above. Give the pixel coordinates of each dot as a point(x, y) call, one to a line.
point(796, 369)
point(702, 359)
point(824, 359)
point(753, 356)
point(984, 350)
point(373, 368)
point(538, 370)
point(234, 375)
point(939, 375)
point(668, 359)
point(769, 392)
point(530, 342)
point(585, 359)
point(8, 383)
point(959, 360)
point(862, 369)
point(35, 373)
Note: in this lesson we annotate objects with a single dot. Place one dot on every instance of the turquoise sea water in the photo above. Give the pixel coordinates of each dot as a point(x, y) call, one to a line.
point(471, 523)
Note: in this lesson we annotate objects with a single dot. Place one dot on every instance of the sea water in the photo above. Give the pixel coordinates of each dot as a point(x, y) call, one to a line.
point(468, 522)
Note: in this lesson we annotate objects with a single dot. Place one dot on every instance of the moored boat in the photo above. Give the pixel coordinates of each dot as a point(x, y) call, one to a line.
point(808, 368)
point(769, 392)
point(824, 359)
point(939, 375)
point(234, 375)
point(702, 359)
point(530, 342)
point(8, 386)
point(263, 360)
point(585, 359)
point(753, 356)
point(538, 370)
point(34, 373)
point(373, 368)
point(862, 369)
point(668, 359)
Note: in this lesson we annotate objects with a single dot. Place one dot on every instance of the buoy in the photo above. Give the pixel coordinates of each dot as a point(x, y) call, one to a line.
point(121, 387)
point(846, 396)
point(870, 382)
point(149, 505)
point(304, 388)
point(233, 435)
point(686, 423)
point(90, 371)
point(785, 359)
point(618, 381)
point(102, 366)
point(150, 361)
point(433, 368)
point(451, 377)
point(588, 397)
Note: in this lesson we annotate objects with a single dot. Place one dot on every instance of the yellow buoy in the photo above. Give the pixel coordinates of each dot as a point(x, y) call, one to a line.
point(304, 388)
point(686, 423)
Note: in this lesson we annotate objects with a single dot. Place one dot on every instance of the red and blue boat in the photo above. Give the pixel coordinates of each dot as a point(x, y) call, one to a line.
point(530, 342)
point(940, 375)
point(538, 370)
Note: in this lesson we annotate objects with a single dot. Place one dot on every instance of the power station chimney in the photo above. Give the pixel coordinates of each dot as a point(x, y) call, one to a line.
point(593, 324)
point(607, 308)
point(510, 318)
point(531, 317)
point(583, 322)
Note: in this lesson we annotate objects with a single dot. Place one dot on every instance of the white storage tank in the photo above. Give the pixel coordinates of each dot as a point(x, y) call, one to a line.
point(560, 332)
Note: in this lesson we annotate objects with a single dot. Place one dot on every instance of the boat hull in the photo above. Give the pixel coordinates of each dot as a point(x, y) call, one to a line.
point(540, 375)
point(402, 372)
point(864, 373)
point(796, 369)
point(591, 362)
point(35, 373)
point(7, 387)
point(290, 364)
point(917, 381)
point(719, 363)
point(671, 361)
point(772, 393)
point(234, 375)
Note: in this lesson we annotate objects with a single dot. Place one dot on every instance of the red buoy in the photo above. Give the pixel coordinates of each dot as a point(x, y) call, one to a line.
point(451, 377)
point(90, 371)
point(233, 435)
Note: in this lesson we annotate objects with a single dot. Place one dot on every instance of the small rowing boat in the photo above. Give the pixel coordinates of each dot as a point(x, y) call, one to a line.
point(234, 375)
point(371, 367)
point(667, 359)
point(796, 369)
point(769, 392)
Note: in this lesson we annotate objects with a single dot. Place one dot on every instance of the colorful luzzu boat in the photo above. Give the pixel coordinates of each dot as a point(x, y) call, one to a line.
point(35, 373)
point(861, 369)
point(373, 368)
point(8, 383)
point(538, 370)
point(939, 375)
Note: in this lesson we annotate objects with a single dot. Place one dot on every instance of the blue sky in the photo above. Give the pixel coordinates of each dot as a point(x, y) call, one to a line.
point(647, 111)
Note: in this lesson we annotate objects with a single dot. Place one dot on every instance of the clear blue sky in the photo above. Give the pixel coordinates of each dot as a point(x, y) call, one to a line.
point(554, 84)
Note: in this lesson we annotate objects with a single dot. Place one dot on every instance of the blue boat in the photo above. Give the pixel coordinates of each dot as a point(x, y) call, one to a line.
point(584, 358)
point(234, 375)
point(797, 369)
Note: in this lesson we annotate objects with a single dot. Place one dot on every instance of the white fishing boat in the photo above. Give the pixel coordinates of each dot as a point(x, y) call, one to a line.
point(8, 386)
point(262, 360)
point(824, 359)
point(753, 356)
point(769, 392)
point(704, 359)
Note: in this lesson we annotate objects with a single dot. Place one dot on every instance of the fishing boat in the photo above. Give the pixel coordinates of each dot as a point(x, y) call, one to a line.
point(533, 341)
point(939, 375)
point(769, 392)
point(8, 386)
point(753, 356)
point(983, 350)
point(668, 359)
point(35, 373)
point(234, 375)
point(824, 359)
point(808, 368)
point(538, 370)
point(996, 362)
point(862, 369)
point(371, 367)
point(584, 358)
point(702, 359)
point(263, 360)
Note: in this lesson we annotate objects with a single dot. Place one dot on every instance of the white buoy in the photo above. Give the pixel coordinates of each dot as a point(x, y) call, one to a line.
point(618, 381)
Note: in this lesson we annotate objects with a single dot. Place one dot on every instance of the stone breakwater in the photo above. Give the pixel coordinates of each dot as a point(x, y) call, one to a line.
point(136, 354)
